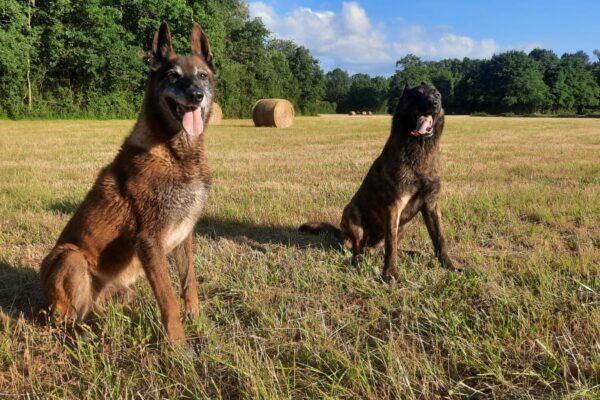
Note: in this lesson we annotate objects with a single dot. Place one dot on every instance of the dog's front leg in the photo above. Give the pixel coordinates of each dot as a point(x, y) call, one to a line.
point(432, 216)
point(184, 258)
point(154, 262)
point(391, 237)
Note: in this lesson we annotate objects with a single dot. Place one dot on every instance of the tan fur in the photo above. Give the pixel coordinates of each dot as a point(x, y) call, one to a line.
point(143, 206)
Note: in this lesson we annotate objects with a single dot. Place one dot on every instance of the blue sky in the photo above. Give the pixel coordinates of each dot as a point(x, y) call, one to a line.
point(369, 36)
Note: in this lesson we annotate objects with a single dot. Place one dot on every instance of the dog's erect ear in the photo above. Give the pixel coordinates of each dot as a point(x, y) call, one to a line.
point(406, 88)
point(162, 47)
point(200, 44)
point(423, 83)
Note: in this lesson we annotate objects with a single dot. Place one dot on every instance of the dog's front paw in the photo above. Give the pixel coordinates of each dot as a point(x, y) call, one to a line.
point(191, 313)
point(186, 351)
point(191, 304)
point(451, 265)
point(389, 278)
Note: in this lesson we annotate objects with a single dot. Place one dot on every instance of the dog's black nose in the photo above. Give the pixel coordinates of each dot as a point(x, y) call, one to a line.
point(435, 102)
point(197, 95)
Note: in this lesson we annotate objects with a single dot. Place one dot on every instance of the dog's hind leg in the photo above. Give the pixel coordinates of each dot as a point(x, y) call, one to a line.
point(104, 291)
point(358, 249)
point(184, 258)
point(67, 282)
point(353, 232)
point(355, 237)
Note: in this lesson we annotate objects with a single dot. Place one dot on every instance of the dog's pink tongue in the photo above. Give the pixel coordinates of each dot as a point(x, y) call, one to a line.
point(193, 123)
point(423, 124)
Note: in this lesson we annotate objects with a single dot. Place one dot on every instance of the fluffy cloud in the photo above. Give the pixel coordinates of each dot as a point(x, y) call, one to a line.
point(349, 39)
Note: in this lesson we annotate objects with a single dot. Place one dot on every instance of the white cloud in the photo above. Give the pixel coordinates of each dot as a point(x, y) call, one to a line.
point(349, 39)
point(446, 45)
point(261, 10)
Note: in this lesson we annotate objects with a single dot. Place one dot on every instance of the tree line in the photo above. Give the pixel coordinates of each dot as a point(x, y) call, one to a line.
point(74, 58)
point(510, 82)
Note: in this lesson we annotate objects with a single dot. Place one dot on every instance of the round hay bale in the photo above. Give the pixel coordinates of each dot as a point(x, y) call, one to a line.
point(273, 112)
point(216, 114)
point(352, 113)
point(364, 113)
point(369, 112)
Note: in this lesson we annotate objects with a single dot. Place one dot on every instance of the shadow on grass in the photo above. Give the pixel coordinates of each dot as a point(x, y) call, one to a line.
point(247, 233)
point(241, 232)
point(65, 206)
point(258, 235)
point(20, 291)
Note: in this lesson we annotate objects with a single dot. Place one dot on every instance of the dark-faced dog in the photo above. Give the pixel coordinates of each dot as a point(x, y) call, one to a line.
point(402, 181)
point(144, 204)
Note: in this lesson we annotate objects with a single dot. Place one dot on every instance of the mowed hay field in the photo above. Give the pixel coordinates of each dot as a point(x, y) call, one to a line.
point(284, 315)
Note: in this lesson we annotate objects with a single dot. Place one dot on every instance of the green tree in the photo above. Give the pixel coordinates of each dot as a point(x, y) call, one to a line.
point(445, 75)
point(246, 52)
point(309, 76)
point(413, 70)
point(470, 92)
point(596, 66)
point(576, 87)
point(86, 58)
point(15, 51)
point(337, 86)
point(516, 83)
point(368, 94)
point(381, 88)
point(410, 69)
point(548, 62)
point(281, 82)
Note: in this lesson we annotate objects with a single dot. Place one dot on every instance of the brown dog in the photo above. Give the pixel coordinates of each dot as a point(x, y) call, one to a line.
point(403, 180)
point(143, 205)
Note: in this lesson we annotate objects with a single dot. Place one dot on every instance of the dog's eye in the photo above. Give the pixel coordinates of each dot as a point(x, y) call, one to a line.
point(202, 75)
point(173, 75)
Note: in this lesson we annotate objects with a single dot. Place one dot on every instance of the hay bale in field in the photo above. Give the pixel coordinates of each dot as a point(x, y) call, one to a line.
point(369, 112)
point(273, 112)
point(352, 113)
point(364, 113)
point(216, 115)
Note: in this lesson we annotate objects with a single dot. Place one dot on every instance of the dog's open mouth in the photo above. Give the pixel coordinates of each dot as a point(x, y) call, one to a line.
point(424, 127)
point(190, 117)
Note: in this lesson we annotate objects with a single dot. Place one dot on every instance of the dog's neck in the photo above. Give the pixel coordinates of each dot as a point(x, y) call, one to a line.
point(152, 135)
point(414, 151)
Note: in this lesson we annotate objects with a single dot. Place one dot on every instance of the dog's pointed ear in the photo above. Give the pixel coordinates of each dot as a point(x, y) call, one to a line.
point(406, 88)
point(200, 44)
point(162, 47)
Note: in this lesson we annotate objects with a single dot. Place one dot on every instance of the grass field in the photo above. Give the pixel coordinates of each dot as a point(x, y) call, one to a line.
point(284, 315)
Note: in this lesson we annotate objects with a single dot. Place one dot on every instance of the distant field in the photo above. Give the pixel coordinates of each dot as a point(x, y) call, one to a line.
point(284, 315)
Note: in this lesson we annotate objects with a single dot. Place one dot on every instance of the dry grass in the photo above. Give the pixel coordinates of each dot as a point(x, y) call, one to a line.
point(284, 315)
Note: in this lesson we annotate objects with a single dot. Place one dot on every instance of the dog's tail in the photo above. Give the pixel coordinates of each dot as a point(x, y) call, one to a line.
point(318, 228)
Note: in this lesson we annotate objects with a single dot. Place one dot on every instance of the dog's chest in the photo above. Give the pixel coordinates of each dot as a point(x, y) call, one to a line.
point(183, 208)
